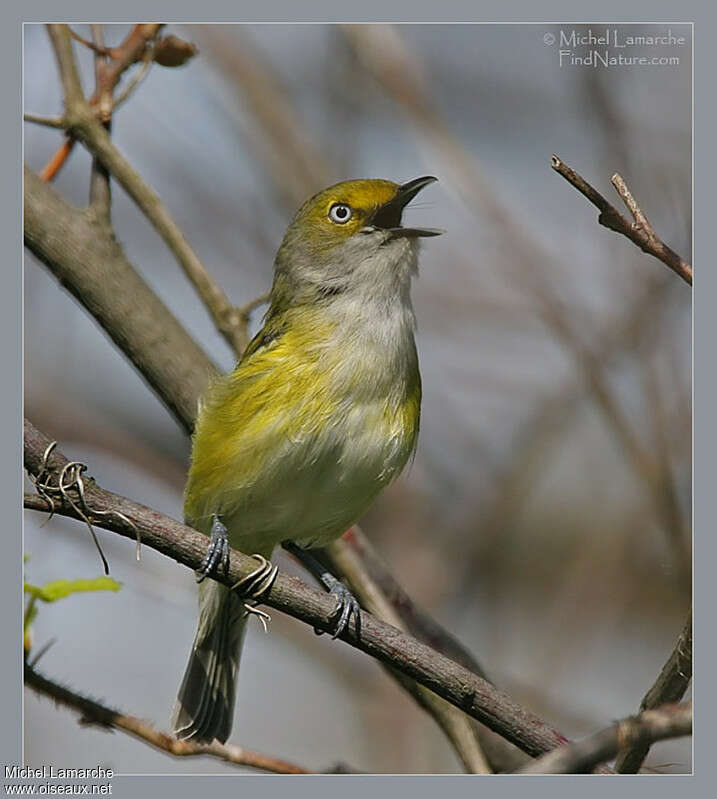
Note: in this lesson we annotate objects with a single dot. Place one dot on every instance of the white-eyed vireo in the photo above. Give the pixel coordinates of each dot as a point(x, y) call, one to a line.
point(319, 415)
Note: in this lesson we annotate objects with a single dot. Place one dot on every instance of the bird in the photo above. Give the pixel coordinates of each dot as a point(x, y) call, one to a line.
point(320, 414)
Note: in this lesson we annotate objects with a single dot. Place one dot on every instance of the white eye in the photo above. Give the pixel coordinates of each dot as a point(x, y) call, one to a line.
point(340, 213)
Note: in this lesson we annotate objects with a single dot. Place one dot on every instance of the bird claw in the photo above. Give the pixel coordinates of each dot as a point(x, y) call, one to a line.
point(218, 552)
point(262, 615)
point(346, 606)
point(259, 581)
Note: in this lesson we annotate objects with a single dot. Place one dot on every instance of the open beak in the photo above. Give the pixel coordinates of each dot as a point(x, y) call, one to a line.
point(388, 216)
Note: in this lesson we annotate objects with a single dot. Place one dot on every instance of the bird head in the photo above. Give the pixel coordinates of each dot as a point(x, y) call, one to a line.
point(350, 236)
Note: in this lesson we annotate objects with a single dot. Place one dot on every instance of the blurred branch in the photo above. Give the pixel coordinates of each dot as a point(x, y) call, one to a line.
point(386, 57)
point(462, 731)
point(83, 125)
point(640, 231)
point(670, 721)
point(48, 122)
point(670, 686)
point(355, 551)
point(550, 420)
point(84, 255)
point(391, 646)
point(96, 714)
point(294, 164)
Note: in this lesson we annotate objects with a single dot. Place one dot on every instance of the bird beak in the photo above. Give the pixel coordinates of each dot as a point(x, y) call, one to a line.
point(388, 216)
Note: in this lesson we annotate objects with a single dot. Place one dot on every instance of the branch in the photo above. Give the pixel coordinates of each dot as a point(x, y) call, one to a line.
point(48, 122)
point(83, 125)
point(393, 647)
point(640, 231)
point(100, 184)
point(95, 713)
point(670, 686)
point(132, 49)
point(671, 721)
point(85, 257)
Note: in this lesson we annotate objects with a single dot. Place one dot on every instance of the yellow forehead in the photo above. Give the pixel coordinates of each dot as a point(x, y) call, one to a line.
point(366, 195)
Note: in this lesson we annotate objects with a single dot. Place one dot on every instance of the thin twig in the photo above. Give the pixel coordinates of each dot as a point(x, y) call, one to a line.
point(100, 186)
point(96, 47)
point(97, 714)
point(670, 686)
point(640, 232)
point(134, 82)
point(132, 49)
point(670, 721)
point(48, 122)
point(391, 646)
point(55, 164)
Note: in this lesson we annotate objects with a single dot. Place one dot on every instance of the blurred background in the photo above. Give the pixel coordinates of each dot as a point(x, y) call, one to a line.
point(546, 519)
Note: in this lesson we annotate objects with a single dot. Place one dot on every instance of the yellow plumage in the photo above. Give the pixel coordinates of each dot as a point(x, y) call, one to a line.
point(302, 422)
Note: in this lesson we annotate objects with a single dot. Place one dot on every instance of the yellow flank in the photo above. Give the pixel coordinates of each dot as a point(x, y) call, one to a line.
point(280, 434)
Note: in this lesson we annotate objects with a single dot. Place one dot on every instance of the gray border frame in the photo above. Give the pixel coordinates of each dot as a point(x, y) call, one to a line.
point(705, 384)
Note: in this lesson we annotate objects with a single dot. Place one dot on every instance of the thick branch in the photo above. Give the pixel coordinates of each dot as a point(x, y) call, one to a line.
point(640, 231)
point(385, 643)
point(85, 257)
point(671, 721)
point(670, 686)
point(95, 713)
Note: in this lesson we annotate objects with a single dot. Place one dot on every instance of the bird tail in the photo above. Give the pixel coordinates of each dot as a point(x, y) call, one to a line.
point(205, 703)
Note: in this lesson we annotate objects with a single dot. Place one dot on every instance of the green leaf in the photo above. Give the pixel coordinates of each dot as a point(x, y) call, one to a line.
point(59, 589)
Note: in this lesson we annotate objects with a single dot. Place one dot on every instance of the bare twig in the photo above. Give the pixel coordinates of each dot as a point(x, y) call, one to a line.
point(670, 721)
point(670, 686)
point(391, 646)
point(48, 122)
point(131, 50)
point(96, 47)
point(55, 164)
point(100, 187)
point(134, 82)
point(640, 231)
point(97, 714)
